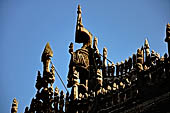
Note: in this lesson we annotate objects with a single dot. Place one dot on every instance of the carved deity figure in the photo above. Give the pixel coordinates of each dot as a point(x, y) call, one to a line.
point(95, 42)
point(99, 80)
point(153, 57)
point(139, 59)
point(74, 90)
point(130, 64)
point(61, 103)
point(67, 102)
point(56, 99)
point(117, 68)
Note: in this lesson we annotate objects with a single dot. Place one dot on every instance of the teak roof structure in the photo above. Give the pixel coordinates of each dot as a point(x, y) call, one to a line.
point(140, 84)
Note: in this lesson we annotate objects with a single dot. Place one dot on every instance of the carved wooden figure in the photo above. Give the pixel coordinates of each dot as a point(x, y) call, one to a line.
point(61, 103)
point(117, 68)
point(147, 52)
point(56, 100)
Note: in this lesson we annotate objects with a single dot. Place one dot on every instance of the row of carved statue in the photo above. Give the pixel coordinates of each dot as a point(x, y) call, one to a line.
point(143, 60)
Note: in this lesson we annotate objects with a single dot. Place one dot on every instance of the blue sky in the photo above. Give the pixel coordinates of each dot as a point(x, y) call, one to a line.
point(27, 25)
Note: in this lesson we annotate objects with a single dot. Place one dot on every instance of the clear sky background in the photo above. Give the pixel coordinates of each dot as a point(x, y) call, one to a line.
point(27, 25)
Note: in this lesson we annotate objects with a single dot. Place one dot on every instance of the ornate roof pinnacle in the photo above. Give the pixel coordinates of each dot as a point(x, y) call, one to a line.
point(146, 43)
point(79, 9)
point(47, 52)
point(168, 24)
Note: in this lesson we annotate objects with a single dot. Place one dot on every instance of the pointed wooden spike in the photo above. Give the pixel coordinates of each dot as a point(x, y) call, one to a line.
point(47, 51)
point(146, 43)
point(79, 9)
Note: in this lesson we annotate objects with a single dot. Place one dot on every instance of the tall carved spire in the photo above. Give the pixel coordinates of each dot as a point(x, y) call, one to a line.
point(45, 58)
point(82, 34)
point(47, 53)
point(79, 18)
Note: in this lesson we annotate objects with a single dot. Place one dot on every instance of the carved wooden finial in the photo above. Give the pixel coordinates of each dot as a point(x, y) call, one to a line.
point(45, 58)
point(79, 9)
point(14, 108)
point(146, 43)
point(47, 53)
point(82, 34)
point(79, 18)
point(95, 42)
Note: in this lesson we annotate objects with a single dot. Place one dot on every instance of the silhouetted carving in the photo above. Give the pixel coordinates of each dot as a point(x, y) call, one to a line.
point(139, 59)
point(117, 68)
point(94, 87)
point(14, 108)
point(134, 61)
point(147, 55)
point(56, 100)
point(71, 48)
point(130, 64)
point(82, 34)
point(61, 103)
point(39, 81)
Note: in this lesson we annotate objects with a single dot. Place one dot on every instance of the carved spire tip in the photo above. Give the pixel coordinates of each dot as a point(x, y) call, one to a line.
point(146, 43)
point(168, 24)
point(79, 9)
point(47, 51)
